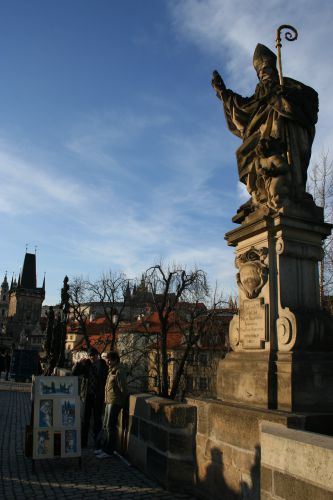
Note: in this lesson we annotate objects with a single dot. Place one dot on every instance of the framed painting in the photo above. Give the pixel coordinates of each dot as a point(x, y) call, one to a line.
point(44, 413)
point(69, 412)
point(71, 446)
point(56, 386)
point(43, 443)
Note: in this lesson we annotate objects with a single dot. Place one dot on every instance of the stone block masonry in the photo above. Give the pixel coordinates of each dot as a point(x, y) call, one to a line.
point(215, 450)
point(160, 439)
point(295, 464)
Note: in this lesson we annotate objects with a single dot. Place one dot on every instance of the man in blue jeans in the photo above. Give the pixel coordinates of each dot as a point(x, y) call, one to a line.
point(115, 398)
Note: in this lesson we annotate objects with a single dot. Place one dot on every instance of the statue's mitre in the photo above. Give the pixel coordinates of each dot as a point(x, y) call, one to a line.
point(263, 55)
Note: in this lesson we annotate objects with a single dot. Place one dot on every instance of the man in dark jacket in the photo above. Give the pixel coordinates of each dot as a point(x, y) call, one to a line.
point(93, 372)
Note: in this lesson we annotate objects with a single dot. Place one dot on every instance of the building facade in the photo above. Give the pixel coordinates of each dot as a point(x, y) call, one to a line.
point(25, 300)
point(4, 299)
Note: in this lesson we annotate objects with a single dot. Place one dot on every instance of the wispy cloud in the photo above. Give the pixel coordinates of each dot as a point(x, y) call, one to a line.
point(30, 187)
point(168, 178)
point(96, 134)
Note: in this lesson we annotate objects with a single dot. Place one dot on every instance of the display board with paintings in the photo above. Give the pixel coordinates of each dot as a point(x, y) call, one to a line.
point(56, 417)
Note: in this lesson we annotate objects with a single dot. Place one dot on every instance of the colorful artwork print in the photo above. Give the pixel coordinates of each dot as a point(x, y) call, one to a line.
point(68, 412)
point(43, 443)
point(57, 386)
point(45, 413)
point(70, 441)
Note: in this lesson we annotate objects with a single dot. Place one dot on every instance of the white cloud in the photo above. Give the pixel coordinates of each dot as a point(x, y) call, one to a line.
point(29, 187)
point(98, 132)
point(164, 185)
point(243, 195)
point(134, 253)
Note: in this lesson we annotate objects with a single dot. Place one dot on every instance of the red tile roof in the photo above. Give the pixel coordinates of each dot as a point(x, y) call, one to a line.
point(100, 337)
point(100, 342)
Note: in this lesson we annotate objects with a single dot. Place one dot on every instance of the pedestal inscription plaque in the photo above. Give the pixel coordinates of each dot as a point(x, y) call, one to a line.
point(252, 322)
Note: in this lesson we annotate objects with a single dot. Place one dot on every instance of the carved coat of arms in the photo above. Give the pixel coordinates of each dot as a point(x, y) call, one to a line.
point(253, 271)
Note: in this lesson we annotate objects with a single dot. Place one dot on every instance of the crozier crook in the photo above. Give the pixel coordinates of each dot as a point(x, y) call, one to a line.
point(290, 36)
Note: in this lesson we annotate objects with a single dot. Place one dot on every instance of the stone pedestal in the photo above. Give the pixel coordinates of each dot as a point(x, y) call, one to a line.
point(282, 341)
point(248, 378)
point(305, 381)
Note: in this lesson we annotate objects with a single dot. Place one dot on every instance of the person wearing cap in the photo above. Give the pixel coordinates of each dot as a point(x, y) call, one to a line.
point(93, 371)
point(277, 126)
point(115, 399)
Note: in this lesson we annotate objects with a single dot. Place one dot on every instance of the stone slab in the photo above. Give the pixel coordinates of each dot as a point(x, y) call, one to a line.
point(248, 378)
point(305, 455)
point(138, 405)
point(290, 488)
point(238, 425)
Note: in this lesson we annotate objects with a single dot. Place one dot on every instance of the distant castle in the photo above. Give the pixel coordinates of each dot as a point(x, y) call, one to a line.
point(20, 307)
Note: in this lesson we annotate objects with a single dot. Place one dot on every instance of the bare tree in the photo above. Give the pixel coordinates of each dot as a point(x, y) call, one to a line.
point(80, 298)
point(202, 331)
point(320, 185)
point(168, 287)
point(134, 343)
point(112, 291)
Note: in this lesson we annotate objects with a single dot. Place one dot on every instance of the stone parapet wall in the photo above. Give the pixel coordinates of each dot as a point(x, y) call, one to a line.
point(295, 465)
point(220, 450)
point(159, 438)
point(228, 447)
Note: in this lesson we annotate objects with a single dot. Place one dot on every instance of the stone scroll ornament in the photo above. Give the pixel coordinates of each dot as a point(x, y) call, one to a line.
point(253, 271)
point(277, 127)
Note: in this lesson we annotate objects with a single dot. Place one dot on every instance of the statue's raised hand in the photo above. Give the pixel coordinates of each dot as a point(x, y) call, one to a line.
point(218, 84)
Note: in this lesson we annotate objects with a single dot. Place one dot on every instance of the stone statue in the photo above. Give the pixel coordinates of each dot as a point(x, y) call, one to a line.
point(49, 331)
point(277, 126)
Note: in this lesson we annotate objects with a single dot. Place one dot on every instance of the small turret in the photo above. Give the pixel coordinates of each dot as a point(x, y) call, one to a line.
point(4, 284)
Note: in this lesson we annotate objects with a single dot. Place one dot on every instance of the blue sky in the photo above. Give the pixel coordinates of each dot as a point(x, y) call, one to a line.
point(113, 147)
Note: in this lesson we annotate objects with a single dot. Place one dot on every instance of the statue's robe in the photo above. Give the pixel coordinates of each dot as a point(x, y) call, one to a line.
point(283, 119)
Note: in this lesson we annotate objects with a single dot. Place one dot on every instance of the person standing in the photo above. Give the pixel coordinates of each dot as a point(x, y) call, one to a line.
point(93, 372)
point(2, 363)
point(115, 399)
point(7, 364)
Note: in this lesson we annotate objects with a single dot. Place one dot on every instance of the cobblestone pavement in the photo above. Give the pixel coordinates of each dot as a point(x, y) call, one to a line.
point(61, 478)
